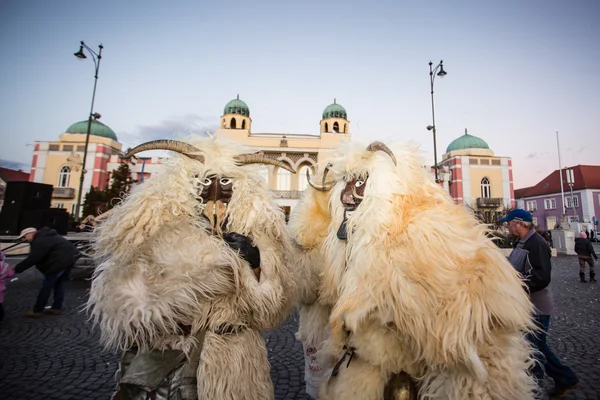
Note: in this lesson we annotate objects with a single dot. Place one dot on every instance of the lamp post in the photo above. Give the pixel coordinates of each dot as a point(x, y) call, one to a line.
point(96, 57)
point(433, 72)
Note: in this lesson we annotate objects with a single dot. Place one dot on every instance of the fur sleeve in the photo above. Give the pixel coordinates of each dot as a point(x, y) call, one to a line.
point(270, 299)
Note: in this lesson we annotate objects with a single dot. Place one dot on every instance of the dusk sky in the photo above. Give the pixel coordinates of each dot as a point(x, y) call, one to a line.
point(518, 71)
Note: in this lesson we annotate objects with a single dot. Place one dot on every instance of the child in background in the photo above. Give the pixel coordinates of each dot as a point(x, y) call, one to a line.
point(6, 272)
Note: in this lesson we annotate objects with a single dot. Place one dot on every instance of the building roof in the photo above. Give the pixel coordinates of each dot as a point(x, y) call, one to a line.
point(237, 106)
point(10, 175)
point(585, 176)
point(335, 110)
point(467, 141)
point(97, 129)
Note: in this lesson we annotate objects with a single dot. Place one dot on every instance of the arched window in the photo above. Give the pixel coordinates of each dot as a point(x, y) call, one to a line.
point(265, 173)
point(345, 131)
point(302, 181)
point(284, 178)
point(232, 124)
point(326, 127)
point(64, 177)
point(243, 124)
point(486, 188)
point(336, 127)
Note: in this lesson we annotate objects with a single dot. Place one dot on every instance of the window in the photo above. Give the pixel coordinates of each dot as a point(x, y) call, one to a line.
point(283, 179)
point(532, 205)
point(484, 161)
point(473, 161)
point(60, 205)
point(244, 124)
point(534, 220)
point(336, 127)
point(302, 181)
point(326, 127)
point(232, 124)
point(68, 147)
point(265, 174)
point(575, 202)
point(81, 148)
point(495, 162)
point(53, 147)
point(573, 218)
point(64, 176)
point(549, 204)
point(486, 188)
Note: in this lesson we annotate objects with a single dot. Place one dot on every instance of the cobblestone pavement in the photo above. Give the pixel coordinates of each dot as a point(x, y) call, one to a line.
point(58, 357)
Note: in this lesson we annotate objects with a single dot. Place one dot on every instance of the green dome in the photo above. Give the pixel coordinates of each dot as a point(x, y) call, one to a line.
point(335, 111)
point(97, 129)
point(467, 142)
point(237, 106)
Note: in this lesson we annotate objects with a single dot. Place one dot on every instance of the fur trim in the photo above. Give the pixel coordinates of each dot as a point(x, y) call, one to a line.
point(420, 266)
point(158, 268)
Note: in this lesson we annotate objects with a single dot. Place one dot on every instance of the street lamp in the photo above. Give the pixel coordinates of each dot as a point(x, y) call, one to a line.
point(433, 72)
point(96, 57)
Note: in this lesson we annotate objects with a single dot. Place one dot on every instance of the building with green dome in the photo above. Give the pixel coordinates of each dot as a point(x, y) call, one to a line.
point(97, 128)
point(335, 119)
point(303, 152)
point(477, 177)
point(467, 142)
point(59, 163)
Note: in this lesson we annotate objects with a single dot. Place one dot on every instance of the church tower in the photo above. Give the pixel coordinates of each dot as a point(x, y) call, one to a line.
point(335, 119)
point(236, 115)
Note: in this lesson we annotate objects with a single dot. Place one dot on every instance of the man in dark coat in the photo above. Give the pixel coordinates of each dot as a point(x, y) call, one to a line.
point(585, 252)
point(531, 257)
point(54, 256)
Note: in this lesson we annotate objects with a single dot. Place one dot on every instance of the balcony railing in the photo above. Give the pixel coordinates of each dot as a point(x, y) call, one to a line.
point(490, 202)
point(287, 194)
point(63, 193)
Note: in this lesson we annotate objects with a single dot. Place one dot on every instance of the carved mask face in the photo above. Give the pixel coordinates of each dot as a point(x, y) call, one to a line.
point(215, 188)
point(354, 193)
point(351, 197)
point(215, 192)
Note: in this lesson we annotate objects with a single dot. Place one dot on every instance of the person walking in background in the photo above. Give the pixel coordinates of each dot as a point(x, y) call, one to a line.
point(54, 256)
point(531, 257)
point(6, 272)
point(585, 252)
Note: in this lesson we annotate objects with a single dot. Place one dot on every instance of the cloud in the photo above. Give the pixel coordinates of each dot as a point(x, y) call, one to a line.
point(4, 163)
point(170, 128)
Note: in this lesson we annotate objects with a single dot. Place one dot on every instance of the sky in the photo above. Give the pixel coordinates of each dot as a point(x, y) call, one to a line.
point(518, 71)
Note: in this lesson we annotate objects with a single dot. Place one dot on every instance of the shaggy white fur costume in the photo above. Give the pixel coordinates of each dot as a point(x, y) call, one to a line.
point(421, 288)
point(160, 268)
point(309, 223)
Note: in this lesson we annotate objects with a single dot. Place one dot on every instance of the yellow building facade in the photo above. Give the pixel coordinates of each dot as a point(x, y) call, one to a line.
point(300, 151)
point(59, 163)
point(478, 178)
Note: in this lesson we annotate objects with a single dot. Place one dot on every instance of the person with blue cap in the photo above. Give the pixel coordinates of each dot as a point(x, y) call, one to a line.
point(531, 257)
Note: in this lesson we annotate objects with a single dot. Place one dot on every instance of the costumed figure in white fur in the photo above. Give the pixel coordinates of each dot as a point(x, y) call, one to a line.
point(191, 268)
point(426, 306)
point(309, 225)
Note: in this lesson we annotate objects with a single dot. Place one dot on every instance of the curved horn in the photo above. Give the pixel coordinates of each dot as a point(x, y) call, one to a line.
point(174, 145)
point(325, 171)
point(375, 146)
point(320, 188)
point(260, 159)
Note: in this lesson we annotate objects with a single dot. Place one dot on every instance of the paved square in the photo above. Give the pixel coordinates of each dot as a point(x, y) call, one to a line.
point(58, 357)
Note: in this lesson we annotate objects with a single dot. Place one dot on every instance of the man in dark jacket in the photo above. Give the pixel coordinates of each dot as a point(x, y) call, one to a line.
point(531, 257)
point(54, 256)
point(585, 252)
